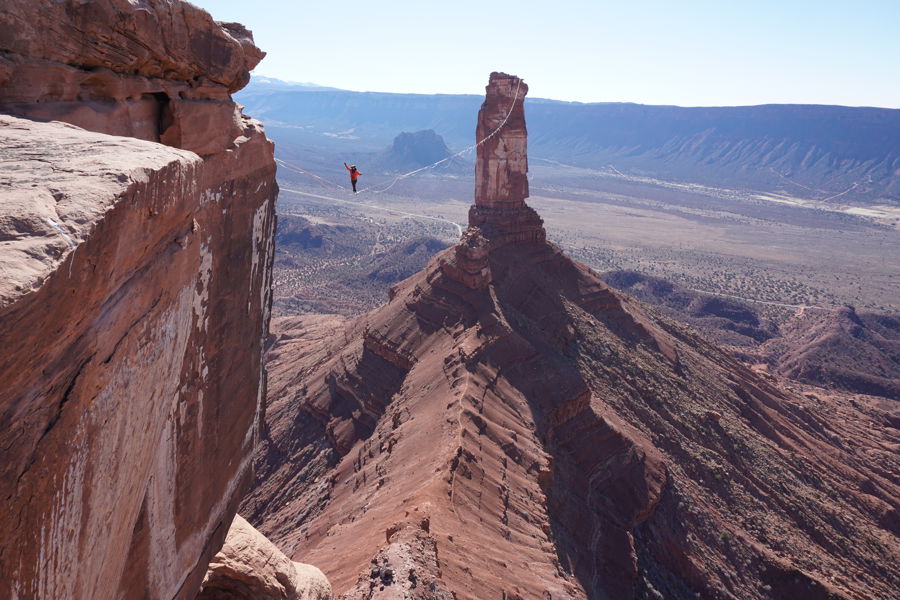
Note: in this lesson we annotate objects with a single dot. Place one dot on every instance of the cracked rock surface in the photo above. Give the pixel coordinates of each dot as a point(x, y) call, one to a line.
point(136, 247)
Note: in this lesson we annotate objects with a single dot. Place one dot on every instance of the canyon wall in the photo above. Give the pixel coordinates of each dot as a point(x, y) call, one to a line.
point(136, 245)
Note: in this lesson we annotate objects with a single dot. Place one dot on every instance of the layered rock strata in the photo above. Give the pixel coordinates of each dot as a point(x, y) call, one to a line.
point(507, 426)
point(250, 567)
point(134, 296)
point(501, 166)
point(840, 349)
point(158, 70)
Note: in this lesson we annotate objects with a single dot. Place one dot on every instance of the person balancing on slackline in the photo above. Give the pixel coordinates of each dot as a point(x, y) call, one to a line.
point(354, 175)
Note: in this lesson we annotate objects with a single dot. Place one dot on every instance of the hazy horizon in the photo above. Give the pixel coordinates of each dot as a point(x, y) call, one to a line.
point(314, 85)
point(700, 53)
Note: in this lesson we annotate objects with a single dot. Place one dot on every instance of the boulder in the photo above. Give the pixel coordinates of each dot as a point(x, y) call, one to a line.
point(250, 567)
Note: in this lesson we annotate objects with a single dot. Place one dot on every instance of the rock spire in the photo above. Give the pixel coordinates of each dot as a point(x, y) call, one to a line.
point(548, 437)
point(501, 168)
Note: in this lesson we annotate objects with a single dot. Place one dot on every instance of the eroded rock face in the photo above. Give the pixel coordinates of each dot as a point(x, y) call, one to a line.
point(250, 567)
point(501, 167)
point(469, 262)
point(840, 349)
point(156, 70)
point(134, 297)
point(132, 324)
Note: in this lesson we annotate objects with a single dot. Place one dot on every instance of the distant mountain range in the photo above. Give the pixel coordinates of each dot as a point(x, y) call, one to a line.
point(272, 83)
point(827, 153)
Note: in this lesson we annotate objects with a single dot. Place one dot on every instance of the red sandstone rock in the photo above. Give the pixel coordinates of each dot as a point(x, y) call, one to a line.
point(158, 70)
point(250, 567)
point(562, 441)
point(841, 349)
point(469, 264)
point(501, 167)
point(134, 296)
point(162, 39)
point(131, 330)
point(406, 568)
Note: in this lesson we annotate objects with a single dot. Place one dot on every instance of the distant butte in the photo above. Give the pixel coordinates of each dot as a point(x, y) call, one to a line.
point(508, 426)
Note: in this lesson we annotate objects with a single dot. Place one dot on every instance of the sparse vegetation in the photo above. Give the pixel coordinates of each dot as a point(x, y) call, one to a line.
point(719, 241)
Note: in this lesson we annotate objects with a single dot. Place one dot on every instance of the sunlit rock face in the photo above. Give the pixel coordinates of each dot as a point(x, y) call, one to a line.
point(134, 295)
point(156, 70)
point(501, 169)
point(250, 567)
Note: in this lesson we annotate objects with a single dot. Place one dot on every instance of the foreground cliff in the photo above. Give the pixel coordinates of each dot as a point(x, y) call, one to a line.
point(508, 426)
point(134, 298)
point(159, 70)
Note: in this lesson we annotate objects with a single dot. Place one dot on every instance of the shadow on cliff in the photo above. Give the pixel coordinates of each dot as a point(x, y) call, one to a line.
point(327, 417)
point(606, 477)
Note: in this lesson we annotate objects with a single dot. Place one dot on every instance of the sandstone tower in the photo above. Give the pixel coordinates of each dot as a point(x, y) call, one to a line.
point(501, 168)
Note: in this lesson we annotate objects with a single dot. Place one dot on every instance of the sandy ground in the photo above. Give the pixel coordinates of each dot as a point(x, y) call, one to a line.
point(717, 240)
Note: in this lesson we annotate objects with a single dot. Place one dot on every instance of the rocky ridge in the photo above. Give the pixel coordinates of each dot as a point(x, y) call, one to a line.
point(841, 349)
point(509, 426)
point(135, 296)
point(726, 321)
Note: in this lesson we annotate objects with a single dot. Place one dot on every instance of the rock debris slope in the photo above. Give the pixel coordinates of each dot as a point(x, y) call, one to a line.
point(134, 295)
point(507, 426)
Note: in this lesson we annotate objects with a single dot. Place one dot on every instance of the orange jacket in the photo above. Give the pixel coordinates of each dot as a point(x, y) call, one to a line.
point(354, 174)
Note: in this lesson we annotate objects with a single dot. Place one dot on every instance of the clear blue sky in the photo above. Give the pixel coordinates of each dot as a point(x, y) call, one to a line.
point(685, 52)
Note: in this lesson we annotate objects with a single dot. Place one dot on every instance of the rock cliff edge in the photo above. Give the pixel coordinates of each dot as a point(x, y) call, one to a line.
point(136, 245)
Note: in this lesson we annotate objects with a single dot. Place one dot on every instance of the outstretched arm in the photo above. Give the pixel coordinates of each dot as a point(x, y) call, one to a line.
point(346, 167)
